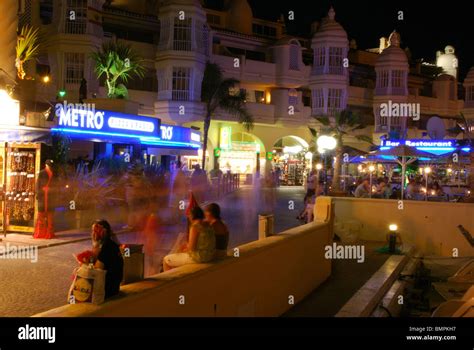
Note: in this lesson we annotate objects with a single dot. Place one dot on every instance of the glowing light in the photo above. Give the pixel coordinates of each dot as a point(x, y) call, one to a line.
point(10, 109)
point(319, 166)
point(371, 168)
point(449, 170)
point(46, 79)
point(427, 170)
point(393, 227)
point(326, 142)
point(292, 149)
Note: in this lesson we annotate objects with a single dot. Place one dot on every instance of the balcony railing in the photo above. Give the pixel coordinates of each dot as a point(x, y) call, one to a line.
point(180, 95)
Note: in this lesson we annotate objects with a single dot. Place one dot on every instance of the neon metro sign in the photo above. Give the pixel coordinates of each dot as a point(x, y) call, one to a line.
point(85, 118)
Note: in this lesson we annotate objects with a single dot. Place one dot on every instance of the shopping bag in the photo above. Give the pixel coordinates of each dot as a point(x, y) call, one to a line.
point(88, 286)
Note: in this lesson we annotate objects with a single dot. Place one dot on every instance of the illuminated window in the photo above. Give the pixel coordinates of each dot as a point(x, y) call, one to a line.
point(181, 84)
point(292, 97)
point(76, 17)
point(182, 34)
point(74, 67)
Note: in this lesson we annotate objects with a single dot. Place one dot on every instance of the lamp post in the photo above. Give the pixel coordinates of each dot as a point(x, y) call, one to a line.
point(427, 171)
point(319, 166)
point(371, 170)
point(326, 143)
point(392, 238)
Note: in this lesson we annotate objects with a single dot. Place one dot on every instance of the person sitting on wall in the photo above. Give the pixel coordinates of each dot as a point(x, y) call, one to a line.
point(201, 245)
point(212, 213)
point(109, 256)
point(45, 195)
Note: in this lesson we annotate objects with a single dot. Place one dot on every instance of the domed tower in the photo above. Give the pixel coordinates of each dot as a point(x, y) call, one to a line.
point(329, 78)
point(9, 20)
point(469, 95)
point(391, 91)
point(183, 49)
point(239, 16)
point(448, 61)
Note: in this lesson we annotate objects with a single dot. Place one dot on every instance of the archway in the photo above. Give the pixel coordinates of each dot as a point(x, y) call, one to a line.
point(291, 160)
point(240, 152)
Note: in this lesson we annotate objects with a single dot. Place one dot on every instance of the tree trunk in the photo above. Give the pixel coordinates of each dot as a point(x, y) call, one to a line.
point(336, 181)
point(207, 124)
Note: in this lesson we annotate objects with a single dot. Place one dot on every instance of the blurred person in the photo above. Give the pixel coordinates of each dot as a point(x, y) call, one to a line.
point(138, 197)
point(109, 256)
point(413, 189)
point(383, 190)
point(212, 214)
point(363, 190)
point(199, 183)
point(200, 247)
point(46, 194)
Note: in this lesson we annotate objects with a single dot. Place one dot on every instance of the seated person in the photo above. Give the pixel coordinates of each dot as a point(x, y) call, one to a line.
point(413, 189)
point(383, 191)
point(201, 246)
point(363, 190)
point(109, 256)
point(212, 214)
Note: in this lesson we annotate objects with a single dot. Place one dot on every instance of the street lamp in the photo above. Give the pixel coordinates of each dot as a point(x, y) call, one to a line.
point(325, 143)
point(371, 170)
point(319, 166)
point(427, 171)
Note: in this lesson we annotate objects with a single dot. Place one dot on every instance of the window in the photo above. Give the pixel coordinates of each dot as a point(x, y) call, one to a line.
point(383, 79)
point(213, 19)
point(74, 64)
point(294, 57)
point(292, 97)
point(318, 99)
point(46, 11)
point(334, 100)
point(76, 17)
point(181, 84)
point(397, 78)
point(262, 30)
point(259, 96)
point(319, 59)
point(335, 60)
point(470, 94)
point(182, 34)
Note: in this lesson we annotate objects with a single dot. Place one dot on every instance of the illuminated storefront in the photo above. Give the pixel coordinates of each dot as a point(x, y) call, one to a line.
point(291, 160)
point(238, 153)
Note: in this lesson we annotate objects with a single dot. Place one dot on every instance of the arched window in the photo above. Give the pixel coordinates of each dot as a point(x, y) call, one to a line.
point(294, 57)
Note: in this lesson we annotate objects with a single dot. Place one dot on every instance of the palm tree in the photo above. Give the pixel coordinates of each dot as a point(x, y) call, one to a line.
point(117, 62)
point(344, 124)
point(27, 48)
point(216, 94)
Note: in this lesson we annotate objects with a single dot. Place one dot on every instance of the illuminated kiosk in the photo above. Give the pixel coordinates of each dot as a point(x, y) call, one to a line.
point(20, 160)
point(100, 133)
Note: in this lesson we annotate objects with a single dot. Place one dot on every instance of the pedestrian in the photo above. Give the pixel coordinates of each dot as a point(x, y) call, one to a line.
point(46, 197)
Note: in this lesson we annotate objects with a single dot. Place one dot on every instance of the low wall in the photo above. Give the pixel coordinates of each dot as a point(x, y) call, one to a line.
point(260, 282)
point(430, 226)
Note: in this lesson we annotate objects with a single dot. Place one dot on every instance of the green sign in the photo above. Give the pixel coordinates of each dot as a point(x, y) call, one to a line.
point(269, 156)
point(217, 152)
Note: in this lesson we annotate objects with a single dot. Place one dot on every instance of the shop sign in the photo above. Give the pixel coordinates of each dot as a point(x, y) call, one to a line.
point(175, 133)
point(85, 118)
point(420, 143)
point(217, 152)
point(225, 137)
point(269, 156)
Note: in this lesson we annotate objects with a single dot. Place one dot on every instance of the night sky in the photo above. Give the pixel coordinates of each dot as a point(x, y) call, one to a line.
point(426, 28)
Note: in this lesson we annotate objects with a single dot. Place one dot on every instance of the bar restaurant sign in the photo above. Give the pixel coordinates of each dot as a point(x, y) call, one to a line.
point(84, 118)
